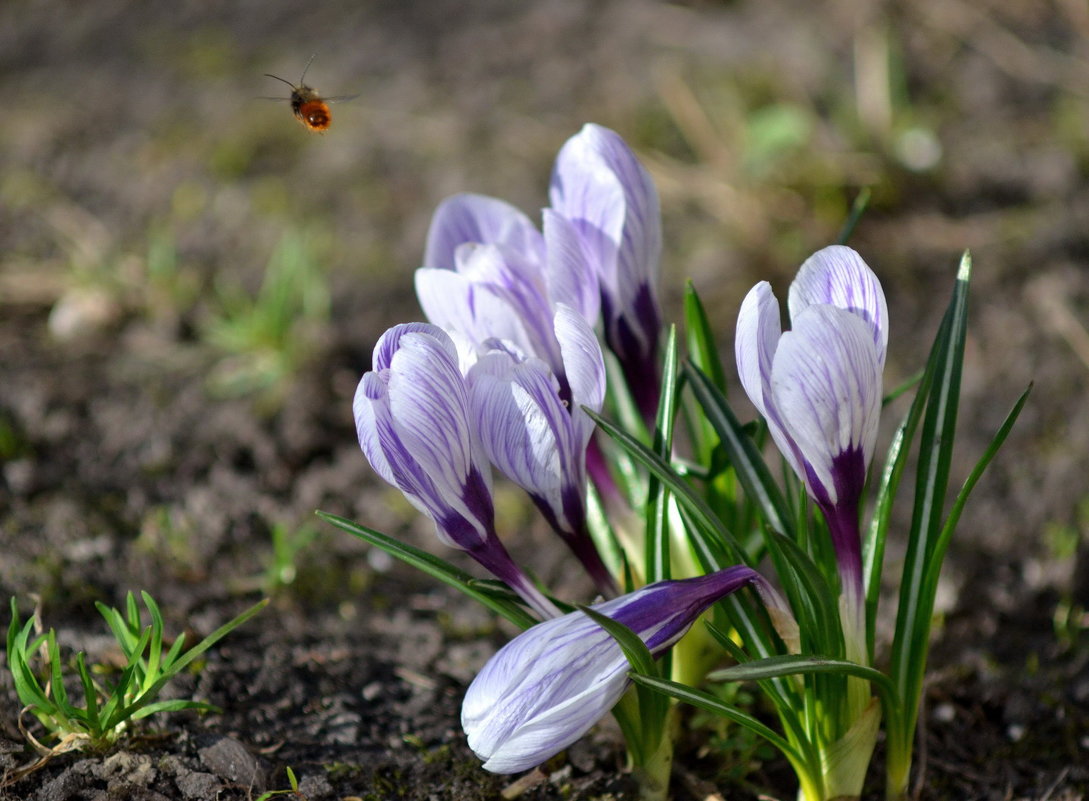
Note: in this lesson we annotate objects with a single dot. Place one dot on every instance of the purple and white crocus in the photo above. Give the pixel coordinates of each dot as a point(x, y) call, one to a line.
point(818, 385)
point(413, 421)
point(484, 276)
point(492, 280)
point(599, 187)
point(545, 688)
point(536, 437)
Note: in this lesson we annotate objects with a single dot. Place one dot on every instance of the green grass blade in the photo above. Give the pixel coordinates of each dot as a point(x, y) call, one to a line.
point(656, 516)
point(662, 470)
point(148, 695)
point(56, 678)
point(934, 567)
point(652, 706)
point(156, 646)
point(911, 638)
point(858, 208)
point(434, 567)
point(90, 695)
point(174, 705)
point(743, 454)
point(602, 532)
point(27, 687)
point(814, 602)
point(873, 541)
point(700, 339)
point(706, 701)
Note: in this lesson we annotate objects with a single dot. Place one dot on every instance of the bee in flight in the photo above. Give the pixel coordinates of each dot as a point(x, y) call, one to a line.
point(309, 107)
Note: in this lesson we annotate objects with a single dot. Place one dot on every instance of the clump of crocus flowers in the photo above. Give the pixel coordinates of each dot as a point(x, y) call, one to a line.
point(538, 340)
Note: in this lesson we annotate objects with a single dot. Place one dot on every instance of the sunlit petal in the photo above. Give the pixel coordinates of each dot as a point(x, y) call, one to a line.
point(479, 219)
point(838, 276)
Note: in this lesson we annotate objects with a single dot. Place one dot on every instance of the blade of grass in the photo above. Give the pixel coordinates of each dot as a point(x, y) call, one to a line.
point(656, 516)
point(752, 472)
point(435, 567)
point(911, 638)
point(665, 473)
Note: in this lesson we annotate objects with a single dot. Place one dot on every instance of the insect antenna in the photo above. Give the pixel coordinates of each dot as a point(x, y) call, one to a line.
point(307, 67)
point(277, 77)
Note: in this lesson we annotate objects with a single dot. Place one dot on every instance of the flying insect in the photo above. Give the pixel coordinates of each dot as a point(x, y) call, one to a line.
point(307, 104)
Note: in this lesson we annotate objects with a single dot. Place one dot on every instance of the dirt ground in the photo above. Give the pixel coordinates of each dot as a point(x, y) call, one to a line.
point(144, 188)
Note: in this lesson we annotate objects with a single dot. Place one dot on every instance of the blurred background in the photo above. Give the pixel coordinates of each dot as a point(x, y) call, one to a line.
point(191, 282)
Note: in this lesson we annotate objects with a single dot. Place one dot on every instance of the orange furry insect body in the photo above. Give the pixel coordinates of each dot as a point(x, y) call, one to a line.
point(309, 107)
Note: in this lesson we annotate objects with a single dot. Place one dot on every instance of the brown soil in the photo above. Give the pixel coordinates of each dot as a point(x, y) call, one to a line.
point(126, 466)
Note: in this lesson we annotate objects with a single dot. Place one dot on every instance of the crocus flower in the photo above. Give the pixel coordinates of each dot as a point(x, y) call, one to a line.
point(547, 687)
point(412, 418)
point(819, 387)
point(478, 219)
point(489, 274)
point(601, 188)
point(536, 437)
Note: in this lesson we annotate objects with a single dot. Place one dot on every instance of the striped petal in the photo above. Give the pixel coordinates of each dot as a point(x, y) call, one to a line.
point(583, 362)
point(413, 426)
point(755, 344)
point(494, 293)
point(548, 686)
point(482, 220)
point(571, 276)
point(826, 384)
point(838, 276)
point(523, 425)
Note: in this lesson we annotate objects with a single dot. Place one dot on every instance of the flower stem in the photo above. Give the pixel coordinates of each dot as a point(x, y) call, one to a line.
point(653, 774)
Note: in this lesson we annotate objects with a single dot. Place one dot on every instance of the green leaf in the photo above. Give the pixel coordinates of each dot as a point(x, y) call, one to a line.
point(656, 516)
point(652, 706)
point(174, 705)
point(858, 208)
point(152, 691)
point(90, 694)
point(912, 632)
point(752, 472)
point(708, 702)
point(951, 521)
point(434, 567)
point(684, 493)
point(292, 780)
point(796, 664)
point(156, 645)
point(814, 602)
point(700, 338)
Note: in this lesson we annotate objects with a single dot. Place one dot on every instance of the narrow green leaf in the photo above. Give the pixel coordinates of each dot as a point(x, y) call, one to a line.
point(434, 567)
point(938, 555)
point(156, 646)
point(602, 532)
point(90, 694)
point(149, 695)
point(635, 650)
point(621, 404)
point(680, 488)
point(752, 472)
point(174, 705)
point(795, 664)
point(708, 702)
point(911, 638)
point(175, 650)
point(122, 632)
point(652, 706)
point(858, 208)
point(292, 780)
point(814, 602)
point(56, 678)
point(657, 508)
point(700, 338)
